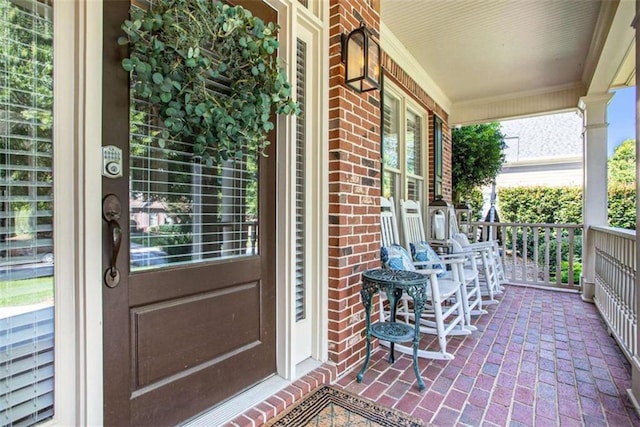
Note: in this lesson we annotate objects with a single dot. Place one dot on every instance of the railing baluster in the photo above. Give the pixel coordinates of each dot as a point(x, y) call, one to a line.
point(571, 249)
point(514, 251)
point(558, 256)
point(547, 261)
point(536, 240)
point(525, 257)
point(615, 270)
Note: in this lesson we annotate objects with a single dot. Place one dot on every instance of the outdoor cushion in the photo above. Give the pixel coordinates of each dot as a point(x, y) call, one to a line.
point(422, 251)
point(456, 247)
point(396, 257)
point(462, 239)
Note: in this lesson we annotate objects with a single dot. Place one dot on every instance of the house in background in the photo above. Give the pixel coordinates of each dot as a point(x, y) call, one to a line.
point(542, 151)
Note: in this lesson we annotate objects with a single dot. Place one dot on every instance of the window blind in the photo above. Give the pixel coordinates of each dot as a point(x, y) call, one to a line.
point(300, 282)
point(182, 210)
point(26, 212)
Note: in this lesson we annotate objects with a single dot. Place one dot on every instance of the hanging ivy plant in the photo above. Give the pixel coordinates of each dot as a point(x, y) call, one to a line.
point(180, 53)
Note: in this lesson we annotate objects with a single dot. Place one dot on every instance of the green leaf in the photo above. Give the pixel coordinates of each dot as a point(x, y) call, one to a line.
point(158, 45)
point(127, 64)
point(161, 142)
point(122, 40)
point(157, 78)
point(165, 97)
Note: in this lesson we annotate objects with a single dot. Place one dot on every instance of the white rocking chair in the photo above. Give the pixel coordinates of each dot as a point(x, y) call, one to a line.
point(439, 321)
point(414, 234)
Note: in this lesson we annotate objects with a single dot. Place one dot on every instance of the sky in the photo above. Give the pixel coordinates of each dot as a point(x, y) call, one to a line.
point(621, 117)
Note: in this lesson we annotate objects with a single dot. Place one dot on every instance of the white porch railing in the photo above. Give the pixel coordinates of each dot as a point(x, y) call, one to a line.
point(615, 288)
point(547, 255)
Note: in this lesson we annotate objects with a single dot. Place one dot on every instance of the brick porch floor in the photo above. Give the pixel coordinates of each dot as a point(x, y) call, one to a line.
point(539, 358)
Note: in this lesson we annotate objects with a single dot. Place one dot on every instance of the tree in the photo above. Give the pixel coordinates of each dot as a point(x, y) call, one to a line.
point(622, 186)
point(477, 157)
point(622, 165)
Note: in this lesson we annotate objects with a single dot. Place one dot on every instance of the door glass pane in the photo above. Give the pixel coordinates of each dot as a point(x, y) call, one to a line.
point(181, 210)
point(26, 212)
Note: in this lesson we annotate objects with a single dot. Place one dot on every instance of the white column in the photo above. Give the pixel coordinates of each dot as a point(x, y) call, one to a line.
point(594, 202)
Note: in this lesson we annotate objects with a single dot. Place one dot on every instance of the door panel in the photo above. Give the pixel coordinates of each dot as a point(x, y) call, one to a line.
point(193, 320)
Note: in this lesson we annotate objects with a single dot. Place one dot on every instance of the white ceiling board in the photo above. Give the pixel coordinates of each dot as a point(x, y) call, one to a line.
point(492, 48)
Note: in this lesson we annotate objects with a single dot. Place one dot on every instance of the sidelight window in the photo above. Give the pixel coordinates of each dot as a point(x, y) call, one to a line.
point(26, 212)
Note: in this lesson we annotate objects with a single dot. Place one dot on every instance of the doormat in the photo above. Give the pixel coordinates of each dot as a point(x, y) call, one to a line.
point(328, 406)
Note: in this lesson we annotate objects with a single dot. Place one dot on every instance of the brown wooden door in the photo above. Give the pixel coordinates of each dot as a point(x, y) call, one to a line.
point(192, 321)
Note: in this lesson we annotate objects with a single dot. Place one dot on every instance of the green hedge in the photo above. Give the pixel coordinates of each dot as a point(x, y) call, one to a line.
point(548, 205)
point(557, 205)
point(622, 206)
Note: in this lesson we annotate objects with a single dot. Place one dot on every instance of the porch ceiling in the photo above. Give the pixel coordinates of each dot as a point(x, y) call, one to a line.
point(488, 60)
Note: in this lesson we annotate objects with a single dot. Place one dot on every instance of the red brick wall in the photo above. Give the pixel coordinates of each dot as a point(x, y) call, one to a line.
point(354, 188)
point(354, 180)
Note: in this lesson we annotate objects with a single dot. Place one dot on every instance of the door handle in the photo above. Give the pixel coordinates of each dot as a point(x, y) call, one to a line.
point(112, 275)
point(111, 213)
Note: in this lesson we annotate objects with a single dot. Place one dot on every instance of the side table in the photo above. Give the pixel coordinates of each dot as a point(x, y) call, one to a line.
point(394, 283)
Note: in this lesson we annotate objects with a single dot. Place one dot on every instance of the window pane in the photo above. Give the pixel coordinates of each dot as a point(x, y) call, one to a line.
point(414, 189)
point(26, 212)
point(181, 210)
point(414, 144)
point(390, 135)
point(391, 185)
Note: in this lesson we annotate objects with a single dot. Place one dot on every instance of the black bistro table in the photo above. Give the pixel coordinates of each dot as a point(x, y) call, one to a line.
point(394, 283)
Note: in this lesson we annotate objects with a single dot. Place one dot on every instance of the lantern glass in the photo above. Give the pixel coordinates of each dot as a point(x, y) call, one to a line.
point(373, 62)
point(355, 57)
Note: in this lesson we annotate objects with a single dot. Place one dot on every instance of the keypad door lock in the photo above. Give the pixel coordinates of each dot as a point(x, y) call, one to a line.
point(111, 161)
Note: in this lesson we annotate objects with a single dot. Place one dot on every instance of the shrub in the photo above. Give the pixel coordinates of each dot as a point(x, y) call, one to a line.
point(622, 206)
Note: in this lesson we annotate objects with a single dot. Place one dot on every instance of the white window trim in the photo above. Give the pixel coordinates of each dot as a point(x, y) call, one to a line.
point(78, 303)
point(296, 21)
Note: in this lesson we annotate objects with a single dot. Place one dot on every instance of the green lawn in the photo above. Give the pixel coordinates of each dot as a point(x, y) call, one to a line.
point(26, 291)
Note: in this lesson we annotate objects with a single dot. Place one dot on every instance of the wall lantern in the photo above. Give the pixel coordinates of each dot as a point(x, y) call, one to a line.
point(361, 55)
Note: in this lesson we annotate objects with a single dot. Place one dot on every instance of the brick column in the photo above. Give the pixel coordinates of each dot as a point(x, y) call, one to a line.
point(354, 188)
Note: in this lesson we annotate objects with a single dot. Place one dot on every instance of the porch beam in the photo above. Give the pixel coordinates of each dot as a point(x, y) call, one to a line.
point(515, 105)
point(594, 202)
